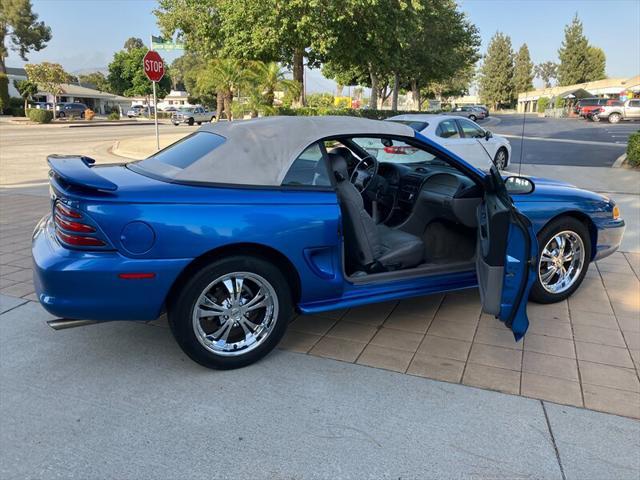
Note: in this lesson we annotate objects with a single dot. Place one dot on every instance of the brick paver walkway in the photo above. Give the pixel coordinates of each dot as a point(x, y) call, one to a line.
point(583, 352)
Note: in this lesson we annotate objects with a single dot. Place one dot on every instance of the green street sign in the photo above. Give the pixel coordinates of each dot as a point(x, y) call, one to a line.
point(159, 43)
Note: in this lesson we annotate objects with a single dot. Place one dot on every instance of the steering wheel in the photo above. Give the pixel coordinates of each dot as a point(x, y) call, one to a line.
point(366, 169)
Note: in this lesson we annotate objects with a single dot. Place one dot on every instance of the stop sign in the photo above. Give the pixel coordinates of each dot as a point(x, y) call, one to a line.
point(153, 66)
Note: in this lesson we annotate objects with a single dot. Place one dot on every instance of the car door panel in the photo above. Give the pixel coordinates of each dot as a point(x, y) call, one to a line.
point(505, 258)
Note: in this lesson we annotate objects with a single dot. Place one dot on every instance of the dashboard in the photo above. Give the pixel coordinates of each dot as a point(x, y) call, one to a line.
point(430, 191)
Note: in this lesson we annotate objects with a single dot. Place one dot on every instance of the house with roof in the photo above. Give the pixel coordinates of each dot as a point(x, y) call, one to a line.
point(96, 100)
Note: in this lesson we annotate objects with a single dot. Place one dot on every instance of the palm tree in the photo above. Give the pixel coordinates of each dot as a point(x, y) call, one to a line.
point(269, 77)
point(225, 76)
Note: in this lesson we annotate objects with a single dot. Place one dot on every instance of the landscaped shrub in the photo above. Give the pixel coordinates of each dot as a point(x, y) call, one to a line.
point(559, 102)
point(543, 103)
point(89, 114)
point(4, 92)
point(320, 100)
point(39, 115)
point(633, 149)
point(114, 116)
point(363, 113)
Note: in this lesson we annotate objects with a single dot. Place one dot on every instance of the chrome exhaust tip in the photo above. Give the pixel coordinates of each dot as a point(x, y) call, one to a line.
point(62, 323)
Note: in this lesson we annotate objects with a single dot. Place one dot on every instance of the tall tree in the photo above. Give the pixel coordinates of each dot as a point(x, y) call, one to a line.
point(20, 25)
point(523, 70)
point(49, 77)
point(225, 76)
point(95, 80)
point(126, 75)
point(269, 30)
point(496, 74)
point(597, 63)
point(547, 71)
point(574, 55)
point(26, 89)
point(132, 43)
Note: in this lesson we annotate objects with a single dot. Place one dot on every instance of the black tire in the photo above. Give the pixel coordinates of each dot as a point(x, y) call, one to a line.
point(61, 115)
point(503, 161)
point(190, 122)
point(199, 123)
point(538, 293)
point(473, 118)
point(180, 311)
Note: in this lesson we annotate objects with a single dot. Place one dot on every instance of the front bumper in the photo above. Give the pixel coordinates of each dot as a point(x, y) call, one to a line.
point(80, 284)
point(609, 238)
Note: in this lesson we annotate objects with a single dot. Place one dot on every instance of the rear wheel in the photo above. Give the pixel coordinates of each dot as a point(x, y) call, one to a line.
point(199, 123)
point(563, 259)
point(615, 118)
point(232, 312)
point(473, 118)
point(61, 115)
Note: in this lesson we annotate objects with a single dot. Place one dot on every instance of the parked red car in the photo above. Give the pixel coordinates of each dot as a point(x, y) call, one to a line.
point(587, 105)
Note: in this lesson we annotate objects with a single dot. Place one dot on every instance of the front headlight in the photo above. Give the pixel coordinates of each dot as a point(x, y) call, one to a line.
point(616, 212)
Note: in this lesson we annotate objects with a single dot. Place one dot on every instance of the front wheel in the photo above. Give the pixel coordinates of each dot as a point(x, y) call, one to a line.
point(473, 118)
point(232, 312)
point(563, 259)
point(199, 123)
point(190, 122)
point(615, 118)
point(501, 159)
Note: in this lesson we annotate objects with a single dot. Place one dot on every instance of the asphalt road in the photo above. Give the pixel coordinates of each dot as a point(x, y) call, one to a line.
point(563, 141)
point(25, 147)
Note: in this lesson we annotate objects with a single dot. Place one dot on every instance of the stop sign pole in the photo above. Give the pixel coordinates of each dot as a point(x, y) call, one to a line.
point(154, 70)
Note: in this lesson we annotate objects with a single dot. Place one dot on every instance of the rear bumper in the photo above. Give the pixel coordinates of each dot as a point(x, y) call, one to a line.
point(85, 285)
point(609, 238)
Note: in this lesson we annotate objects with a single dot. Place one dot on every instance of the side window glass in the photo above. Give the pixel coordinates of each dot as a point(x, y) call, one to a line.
point(448, 129)
point(308, 169)
point(470, 130)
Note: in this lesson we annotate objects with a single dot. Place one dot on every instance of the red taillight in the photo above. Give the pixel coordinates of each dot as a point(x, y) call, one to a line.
point(400, 150)
point(73, 226)
point(78, 240)
point(69, 212)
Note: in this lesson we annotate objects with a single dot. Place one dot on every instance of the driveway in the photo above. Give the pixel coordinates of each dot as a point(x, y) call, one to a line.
point(562, 141)
point(403, 389)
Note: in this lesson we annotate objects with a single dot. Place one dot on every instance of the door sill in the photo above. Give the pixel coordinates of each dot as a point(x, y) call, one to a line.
point(426, 269)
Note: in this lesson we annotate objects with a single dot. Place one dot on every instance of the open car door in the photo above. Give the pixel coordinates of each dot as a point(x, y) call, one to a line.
point(506, 256)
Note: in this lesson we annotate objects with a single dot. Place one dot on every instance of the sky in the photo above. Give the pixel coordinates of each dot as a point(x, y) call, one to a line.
point(86, 33)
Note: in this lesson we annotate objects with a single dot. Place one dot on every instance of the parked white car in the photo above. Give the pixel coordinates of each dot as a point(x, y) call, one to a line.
point(463, 137)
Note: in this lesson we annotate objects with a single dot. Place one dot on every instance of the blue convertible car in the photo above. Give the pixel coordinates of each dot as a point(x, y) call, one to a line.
point(238, 225)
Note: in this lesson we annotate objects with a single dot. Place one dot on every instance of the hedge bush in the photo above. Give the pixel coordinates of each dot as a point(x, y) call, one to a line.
point(543, 103)
point(40, 115)
point(362, 113)
point(114, 116)
point(633, 149)
point(4, 92)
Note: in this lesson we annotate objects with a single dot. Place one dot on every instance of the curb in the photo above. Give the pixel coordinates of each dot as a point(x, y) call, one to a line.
point(110, 124)
point(619, 161)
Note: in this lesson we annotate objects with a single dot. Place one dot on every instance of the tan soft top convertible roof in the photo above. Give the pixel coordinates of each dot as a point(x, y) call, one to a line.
point(260, 151)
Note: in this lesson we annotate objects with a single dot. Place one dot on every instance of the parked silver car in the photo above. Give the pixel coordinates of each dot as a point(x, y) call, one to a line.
point(70, 110)
point(472, 113)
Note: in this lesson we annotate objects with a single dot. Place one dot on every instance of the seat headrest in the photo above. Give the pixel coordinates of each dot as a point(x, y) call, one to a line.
point(339, 163)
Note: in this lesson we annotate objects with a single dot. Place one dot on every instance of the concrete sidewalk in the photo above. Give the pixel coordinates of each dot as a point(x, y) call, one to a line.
point(120, 400)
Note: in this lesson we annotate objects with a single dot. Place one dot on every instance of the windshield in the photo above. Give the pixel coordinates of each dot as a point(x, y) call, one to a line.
point(187, 109)
point(395, 151)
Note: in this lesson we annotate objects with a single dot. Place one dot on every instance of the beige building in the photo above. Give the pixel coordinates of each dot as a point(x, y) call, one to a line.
point(99, 102)
point(609, 88)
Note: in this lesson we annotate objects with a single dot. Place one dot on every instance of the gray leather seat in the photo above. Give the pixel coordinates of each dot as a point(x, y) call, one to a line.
point(370, 246)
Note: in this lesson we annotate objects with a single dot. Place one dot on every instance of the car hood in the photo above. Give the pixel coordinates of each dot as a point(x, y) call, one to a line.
point(550, 190)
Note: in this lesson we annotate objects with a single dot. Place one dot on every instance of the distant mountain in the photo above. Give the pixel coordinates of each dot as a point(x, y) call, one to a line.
point(84, 71)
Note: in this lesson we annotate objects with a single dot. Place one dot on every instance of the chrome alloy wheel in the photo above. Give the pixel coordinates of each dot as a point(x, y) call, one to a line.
point(561, 262)
point(235, 313)
point(501, 159)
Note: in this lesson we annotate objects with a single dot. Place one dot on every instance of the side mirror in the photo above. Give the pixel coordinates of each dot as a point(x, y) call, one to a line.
point(487, 135)
point(519, 185)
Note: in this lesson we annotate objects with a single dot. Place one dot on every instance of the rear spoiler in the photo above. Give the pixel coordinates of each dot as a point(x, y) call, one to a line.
point(76, 170)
